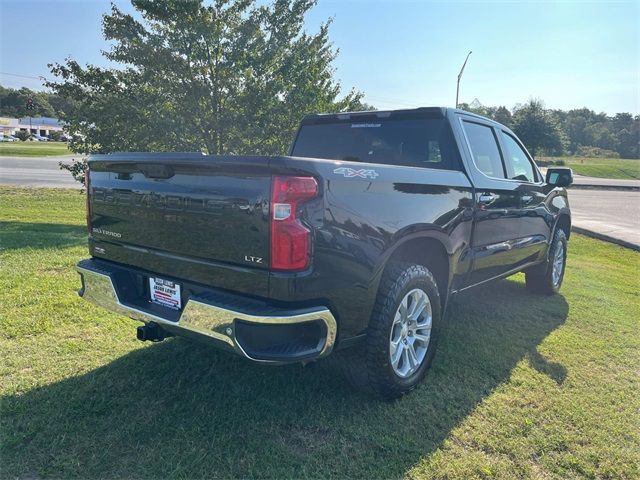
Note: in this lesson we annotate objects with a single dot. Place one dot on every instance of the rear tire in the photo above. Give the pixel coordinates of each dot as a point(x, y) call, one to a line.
point(547, 277)
point(402, 333)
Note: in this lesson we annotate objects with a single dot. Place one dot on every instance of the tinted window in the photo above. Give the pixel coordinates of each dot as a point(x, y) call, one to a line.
point(518, 165)
point(415, 142)
point(484, 148)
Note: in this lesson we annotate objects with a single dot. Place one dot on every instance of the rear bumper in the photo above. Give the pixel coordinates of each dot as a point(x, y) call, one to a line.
point(256, 331)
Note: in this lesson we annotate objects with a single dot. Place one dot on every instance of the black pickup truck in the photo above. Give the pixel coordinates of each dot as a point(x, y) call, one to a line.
point(353, 243)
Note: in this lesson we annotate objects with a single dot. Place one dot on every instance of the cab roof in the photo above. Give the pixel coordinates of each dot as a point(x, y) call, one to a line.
point(430, 112)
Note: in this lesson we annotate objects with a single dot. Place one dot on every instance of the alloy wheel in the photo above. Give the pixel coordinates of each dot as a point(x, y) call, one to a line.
point(410, 333)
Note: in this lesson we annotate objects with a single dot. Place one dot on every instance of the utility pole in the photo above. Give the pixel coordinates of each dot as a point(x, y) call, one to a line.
point(460, 76)
point(30, 108)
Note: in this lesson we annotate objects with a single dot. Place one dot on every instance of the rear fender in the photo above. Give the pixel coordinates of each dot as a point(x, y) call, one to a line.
point(409, 234)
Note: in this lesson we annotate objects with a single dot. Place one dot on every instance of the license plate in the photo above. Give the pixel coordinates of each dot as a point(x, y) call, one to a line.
point(164, 292)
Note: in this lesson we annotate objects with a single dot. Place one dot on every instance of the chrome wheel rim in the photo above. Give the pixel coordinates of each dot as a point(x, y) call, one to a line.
point(558, 265)
point(410, 333)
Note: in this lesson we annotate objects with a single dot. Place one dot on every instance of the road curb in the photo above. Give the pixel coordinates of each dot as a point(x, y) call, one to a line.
point(606, 238)
point(628, 188)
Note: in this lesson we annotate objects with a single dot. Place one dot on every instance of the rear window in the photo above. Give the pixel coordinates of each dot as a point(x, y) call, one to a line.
point(416, 142)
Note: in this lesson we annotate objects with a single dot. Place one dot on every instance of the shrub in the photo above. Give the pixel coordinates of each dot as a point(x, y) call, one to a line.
point(55, 136)
point(23, 135)
point(544, 163)
point(588, 151)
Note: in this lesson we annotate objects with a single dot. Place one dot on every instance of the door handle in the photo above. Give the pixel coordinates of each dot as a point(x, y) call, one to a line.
point(527, 198)
point(487, 198)
point(502, 247)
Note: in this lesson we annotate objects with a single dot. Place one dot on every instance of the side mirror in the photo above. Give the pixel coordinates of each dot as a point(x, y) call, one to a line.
point(559, 177)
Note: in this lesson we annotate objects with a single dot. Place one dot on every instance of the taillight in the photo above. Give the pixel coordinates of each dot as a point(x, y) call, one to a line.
point(87, 186)
point(290, 239)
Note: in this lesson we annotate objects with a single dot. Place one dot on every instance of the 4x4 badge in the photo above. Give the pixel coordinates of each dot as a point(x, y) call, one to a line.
point(351, 173)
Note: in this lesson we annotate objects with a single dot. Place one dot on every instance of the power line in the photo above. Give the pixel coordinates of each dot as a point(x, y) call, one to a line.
point(39, 77)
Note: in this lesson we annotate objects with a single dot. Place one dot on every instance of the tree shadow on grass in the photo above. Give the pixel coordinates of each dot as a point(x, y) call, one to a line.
point(17, 235)
point(180, 409)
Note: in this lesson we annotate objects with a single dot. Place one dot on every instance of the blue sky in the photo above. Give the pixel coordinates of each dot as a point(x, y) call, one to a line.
point(404, 53)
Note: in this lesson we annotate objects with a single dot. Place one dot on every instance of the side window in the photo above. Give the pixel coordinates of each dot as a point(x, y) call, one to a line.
point(518, 165)
point(484, 149)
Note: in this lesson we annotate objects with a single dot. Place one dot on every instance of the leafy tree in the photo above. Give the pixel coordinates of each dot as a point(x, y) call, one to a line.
point(581, 130)
point(230, 77)
point(626, 129)
point(63, 107)
point(502, 115)
point(586, 128)
point(537, 128)
point(600, 135)
point(478, 108)
point(13, 103)
point(77, 168)
point(576, 122)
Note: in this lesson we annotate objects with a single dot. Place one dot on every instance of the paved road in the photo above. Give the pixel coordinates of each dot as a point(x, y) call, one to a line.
point(35, 172)
point(609, 212)
point(580, 180)
point(612, 213)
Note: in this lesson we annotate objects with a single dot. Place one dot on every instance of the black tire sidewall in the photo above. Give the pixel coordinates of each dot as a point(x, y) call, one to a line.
point(408, 277)
point(539, 279)
point(559, 238)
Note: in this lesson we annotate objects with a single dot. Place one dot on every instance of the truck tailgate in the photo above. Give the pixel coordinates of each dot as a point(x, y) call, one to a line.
point(191, 207)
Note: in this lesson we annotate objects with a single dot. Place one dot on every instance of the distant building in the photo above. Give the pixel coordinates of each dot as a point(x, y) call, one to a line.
point(42, 126)
point(8, 126)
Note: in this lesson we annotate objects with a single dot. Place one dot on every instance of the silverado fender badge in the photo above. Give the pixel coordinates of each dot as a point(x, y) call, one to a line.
point(351, 173)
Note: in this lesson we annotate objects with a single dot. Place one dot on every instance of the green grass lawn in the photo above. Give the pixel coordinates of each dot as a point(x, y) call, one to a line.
point(522, 386)
point(33, 149)
point(602, 167)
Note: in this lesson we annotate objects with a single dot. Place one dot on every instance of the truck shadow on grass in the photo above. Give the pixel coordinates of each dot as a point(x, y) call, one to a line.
point(180, 409)
point(15, 235)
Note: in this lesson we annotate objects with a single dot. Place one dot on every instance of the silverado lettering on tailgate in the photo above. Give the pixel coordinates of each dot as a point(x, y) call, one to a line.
point(168, 202)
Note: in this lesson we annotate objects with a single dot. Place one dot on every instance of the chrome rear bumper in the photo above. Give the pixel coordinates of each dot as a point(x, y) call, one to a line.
point(211, 322)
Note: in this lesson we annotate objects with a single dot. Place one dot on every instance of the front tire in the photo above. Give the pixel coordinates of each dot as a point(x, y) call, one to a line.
point(547, 277)
point(402, 332)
